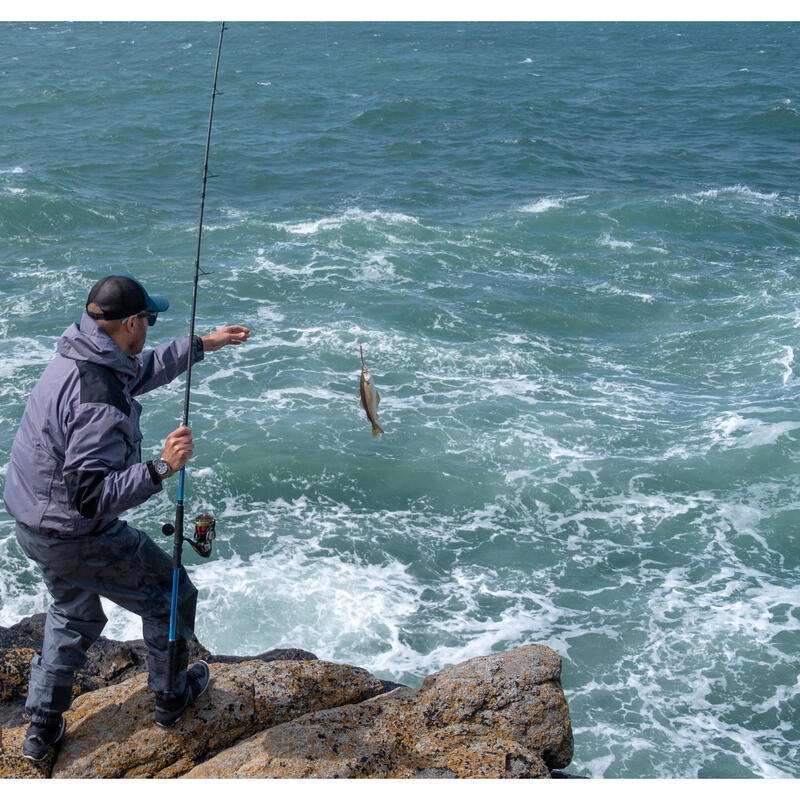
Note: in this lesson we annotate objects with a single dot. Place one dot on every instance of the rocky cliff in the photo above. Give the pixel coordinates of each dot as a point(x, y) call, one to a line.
point(286, 713)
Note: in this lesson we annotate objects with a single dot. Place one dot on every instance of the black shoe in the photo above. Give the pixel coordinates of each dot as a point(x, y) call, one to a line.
point(40, 739)
point(198, 678)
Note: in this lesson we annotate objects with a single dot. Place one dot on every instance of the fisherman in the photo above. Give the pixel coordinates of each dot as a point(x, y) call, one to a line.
point(75, 466)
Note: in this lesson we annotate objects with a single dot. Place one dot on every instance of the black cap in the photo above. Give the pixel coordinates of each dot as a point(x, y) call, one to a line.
point(118, 296)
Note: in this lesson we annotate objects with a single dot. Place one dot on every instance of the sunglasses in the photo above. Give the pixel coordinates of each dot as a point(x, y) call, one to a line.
point(150, 316)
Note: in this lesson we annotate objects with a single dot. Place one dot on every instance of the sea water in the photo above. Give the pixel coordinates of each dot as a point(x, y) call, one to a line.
point(571, 253)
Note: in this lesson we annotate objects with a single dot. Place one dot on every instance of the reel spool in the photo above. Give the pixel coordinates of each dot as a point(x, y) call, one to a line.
point(204, 533)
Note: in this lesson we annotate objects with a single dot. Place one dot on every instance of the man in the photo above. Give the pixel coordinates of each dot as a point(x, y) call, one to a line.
point(75, 467)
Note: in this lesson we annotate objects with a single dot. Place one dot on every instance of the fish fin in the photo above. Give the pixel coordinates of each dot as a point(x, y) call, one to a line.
point(377, 400)
point(376, 429)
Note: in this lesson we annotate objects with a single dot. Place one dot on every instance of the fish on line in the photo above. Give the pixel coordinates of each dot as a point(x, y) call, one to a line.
point(369, 396)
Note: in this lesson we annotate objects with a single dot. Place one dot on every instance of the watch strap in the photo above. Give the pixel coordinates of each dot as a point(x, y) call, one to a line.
point(153, 474)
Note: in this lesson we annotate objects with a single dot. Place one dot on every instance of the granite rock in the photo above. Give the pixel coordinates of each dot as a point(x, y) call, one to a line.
point(286, 713)
point(108, 662)
point(111, 731)
point(497, 716)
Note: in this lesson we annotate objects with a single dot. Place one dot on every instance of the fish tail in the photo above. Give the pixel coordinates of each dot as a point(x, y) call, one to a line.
point(376, 429)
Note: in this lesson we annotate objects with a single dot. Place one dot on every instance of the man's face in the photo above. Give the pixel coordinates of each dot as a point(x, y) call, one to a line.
point(134, 335)
point(140, 336)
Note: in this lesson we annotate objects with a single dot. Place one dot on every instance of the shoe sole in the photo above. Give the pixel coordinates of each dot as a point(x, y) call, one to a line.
point(43, 757)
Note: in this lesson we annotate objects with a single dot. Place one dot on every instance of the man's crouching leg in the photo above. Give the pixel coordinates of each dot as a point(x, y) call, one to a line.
point(73, 623)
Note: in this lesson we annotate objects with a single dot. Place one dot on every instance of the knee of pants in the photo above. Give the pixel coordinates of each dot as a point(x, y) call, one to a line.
point(160, 612)
point(73, 623)
point(86, 614)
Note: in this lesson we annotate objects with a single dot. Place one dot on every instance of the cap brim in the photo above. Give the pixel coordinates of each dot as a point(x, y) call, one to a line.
point(156, 303)
point(153, 302)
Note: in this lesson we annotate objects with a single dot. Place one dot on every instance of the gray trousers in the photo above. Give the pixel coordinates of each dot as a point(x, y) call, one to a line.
point(123, 565)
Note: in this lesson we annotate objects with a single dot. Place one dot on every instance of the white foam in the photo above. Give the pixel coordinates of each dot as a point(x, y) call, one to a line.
point(23, 352)
point(377, 267)
point(351, 215)
point(783, 696)
point(297, 596)
point(607, 288)
point(269, 315)
point(733, 431)
point(737, 190)
point(606, 240)
point(545, 204)
point(122, 625)
point(597, 767)
point(786, 362)
point(233, 213)
point(548, 203)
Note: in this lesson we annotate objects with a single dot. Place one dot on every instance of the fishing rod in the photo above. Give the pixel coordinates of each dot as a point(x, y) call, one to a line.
point(204, 524)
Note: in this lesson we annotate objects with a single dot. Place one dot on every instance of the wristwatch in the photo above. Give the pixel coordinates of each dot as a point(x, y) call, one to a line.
point(159, 469)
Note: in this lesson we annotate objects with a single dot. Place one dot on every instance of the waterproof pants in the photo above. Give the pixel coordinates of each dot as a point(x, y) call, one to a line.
point(123, 565)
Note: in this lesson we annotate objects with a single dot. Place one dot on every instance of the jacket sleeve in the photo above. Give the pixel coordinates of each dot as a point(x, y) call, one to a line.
point(164, 363)
point(97, 481)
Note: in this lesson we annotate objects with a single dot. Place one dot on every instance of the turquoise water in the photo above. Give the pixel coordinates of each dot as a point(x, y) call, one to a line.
point(571, 253)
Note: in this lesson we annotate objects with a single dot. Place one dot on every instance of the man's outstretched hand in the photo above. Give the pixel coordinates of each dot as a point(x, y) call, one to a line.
point(228, 334)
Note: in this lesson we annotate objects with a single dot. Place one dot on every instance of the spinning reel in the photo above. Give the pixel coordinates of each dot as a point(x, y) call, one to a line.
point(204, 534)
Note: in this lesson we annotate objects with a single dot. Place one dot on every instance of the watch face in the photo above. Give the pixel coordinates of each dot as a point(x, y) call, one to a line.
point(161, 466)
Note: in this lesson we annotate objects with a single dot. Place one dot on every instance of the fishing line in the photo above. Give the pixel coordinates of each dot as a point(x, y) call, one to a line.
point(204, 528)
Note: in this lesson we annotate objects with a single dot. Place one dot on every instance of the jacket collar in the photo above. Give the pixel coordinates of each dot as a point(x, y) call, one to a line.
point(88, 342)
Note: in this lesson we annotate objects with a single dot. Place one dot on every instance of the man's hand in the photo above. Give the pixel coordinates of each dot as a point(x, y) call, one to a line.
point(178, 448)
point(228, 334)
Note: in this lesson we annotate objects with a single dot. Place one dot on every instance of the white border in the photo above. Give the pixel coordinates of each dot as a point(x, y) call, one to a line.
point(402, 10)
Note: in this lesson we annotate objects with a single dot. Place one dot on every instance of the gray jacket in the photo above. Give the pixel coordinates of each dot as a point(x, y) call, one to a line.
point(76, 462)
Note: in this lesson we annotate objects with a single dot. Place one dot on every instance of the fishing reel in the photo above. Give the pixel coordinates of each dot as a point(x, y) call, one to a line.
point(204, 534)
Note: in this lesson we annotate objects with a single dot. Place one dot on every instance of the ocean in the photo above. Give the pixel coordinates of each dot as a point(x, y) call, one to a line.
point(571, 254)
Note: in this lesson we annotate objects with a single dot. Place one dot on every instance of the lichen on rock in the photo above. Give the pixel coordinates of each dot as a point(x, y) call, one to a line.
point(496, 716)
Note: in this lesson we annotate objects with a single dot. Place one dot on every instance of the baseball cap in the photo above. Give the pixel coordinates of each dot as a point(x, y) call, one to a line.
point(118, 296)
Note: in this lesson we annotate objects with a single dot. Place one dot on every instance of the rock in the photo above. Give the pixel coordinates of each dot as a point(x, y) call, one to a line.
point(497, 716)
point(26, 633)
point(12, 713)
point(12, 764)
point(286, 654)
point(111, 732)
point(108, 662)
point(503, 716)
point(15, 669)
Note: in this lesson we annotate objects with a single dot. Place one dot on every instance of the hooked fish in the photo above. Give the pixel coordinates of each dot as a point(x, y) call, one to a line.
point(369, 396)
